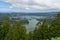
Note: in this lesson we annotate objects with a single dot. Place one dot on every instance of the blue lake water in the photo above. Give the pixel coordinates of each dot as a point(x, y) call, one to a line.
point(31, 25)
point(32, 22)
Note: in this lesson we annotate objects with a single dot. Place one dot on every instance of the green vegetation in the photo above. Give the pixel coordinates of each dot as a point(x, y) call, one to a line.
point(43, 31)
point(57, 38)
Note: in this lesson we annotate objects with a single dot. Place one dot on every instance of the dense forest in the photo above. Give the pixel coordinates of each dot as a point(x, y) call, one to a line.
point(17, 31)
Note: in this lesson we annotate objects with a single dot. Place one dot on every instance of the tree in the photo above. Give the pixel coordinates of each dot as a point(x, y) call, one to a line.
point(16, 32)
point(4, 28)
point(1, 31)
point(41, 32)
point(55, 27)
point(35, 34)
point(30, 36)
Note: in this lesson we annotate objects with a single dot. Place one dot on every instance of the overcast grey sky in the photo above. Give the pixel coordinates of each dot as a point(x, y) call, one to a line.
point(29, 5)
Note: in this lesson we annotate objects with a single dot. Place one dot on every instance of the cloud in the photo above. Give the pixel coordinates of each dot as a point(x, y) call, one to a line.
point(4, 4)
point(35, 4)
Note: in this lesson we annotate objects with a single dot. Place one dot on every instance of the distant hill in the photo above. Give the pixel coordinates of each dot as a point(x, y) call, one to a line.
point(34, 14)
point(28, 14)
point(15, 14)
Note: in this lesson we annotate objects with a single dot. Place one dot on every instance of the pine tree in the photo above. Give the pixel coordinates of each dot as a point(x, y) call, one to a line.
point(5, 27)
point(41, 32)
point(16, 32)
point(55, 27)
point(1, 31)
point(30, 36)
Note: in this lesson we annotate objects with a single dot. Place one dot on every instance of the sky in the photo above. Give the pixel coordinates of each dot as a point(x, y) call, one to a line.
point(29, 5)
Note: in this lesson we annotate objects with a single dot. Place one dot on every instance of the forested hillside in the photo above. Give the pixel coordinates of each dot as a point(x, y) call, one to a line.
point(18, 31)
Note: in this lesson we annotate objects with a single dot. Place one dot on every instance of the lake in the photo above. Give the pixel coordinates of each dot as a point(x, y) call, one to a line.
point(32, 22)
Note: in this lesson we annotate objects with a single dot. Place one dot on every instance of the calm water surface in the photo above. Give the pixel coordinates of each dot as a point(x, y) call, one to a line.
point(32, 22)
